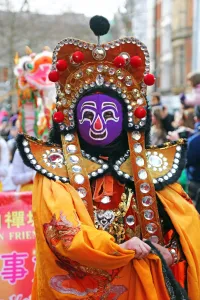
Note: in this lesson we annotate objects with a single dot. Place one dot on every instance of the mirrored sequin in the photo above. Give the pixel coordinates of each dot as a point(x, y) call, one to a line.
point(136, 135)
point(138, 148)
point(71, 148)
point(151, 227)
point(148, 214)
point(154, 239)
point(155, 161)
point(76, 169)
point(69, 137)
point(130, 220)
point(139, 161)
point(142, 174)
point(79, 179)
point(74, 159)
point(147, 201)
point(99, 80)
point(99, 53)
point(144, 187)
point(82, 192)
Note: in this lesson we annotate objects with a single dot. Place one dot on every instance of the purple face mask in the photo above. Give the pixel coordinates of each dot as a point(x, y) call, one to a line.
point(99, 119)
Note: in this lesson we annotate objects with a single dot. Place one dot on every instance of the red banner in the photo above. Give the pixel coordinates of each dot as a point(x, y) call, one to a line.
point(17, 246)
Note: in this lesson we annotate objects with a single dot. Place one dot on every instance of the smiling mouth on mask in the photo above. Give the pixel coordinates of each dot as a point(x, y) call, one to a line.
point(98, 136)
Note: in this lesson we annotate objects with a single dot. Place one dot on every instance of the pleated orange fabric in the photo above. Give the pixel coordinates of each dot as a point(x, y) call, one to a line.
point(77, 261)
point(187, 224)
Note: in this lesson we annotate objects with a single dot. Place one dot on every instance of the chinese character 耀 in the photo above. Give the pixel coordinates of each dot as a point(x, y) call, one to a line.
point(14, 219)
point(13, 266)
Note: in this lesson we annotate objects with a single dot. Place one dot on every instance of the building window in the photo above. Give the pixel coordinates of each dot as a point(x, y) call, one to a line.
point(179, 66)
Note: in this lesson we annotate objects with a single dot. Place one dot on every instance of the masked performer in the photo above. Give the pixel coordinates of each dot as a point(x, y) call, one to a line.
point(110, 220)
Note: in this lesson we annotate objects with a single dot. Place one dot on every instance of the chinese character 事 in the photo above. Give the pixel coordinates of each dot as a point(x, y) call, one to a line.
point(13, 266)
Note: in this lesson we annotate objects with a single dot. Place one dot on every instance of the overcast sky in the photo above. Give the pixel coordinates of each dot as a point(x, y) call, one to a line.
point(106, 8)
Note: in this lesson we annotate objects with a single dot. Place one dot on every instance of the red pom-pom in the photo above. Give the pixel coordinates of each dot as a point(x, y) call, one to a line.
point(58, 117)
point(53, 76)
point(61, 65)
point(149, 79)
point(140, 112)
point(78, 57)
point(135, 61)
point(119, 62)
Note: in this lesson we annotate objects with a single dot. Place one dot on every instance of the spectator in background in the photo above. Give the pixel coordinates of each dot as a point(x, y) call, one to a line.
point(194, 99)
point(8, 184)
point(167, 118)
point(193, 159)
point(4, 161)
point(5, 128)
point(184, 125)
point(158, 132)
point(22, 175)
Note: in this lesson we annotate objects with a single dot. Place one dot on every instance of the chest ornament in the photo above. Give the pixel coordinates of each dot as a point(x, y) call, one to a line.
point(112, 221)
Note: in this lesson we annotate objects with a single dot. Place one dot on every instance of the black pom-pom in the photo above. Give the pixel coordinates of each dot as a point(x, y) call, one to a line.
point(99, 25)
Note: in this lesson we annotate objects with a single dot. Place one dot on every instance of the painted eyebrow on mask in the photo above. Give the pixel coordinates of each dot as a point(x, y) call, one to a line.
point(88, 103)
point(105, 104)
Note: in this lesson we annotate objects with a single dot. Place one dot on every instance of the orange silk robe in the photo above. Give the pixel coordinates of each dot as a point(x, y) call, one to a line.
point(77, 261)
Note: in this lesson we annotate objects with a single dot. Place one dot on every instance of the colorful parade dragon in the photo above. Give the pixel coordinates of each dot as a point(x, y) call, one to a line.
point(36, 93)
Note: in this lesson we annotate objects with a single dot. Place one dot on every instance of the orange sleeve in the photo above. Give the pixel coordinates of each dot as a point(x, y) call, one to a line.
point(69, 230)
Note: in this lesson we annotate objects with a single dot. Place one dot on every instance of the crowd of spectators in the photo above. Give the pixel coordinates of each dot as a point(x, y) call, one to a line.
point(14, 175)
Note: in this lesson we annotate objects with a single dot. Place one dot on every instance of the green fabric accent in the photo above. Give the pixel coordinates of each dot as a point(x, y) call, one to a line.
point(183, 180)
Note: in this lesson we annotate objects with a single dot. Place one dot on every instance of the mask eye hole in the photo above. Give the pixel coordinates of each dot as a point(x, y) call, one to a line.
point(108, 115)
point(88, 115)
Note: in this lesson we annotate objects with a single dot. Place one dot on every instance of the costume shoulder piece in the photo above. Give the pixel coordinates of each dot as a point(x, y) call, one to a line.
point(165, 162)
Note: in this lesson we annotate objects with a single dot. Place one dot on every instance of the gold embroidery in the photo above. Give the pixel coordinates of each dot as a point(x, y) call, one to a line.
point(113, 220)
point(60, 230)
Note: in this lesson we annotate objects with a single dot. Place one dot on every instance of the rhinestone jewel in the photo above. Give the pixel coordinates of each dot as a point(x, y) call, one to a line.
point(82, 192)
point(89, 70)
point(129, 83)
point(142, 174)
point(100, 68)
point(151, 227)
point(111, 71)
point(71, 148)
point(74, 159)
point(78, 75)
point(155, 161)
point(69, 137)
point(76, 169)
point(136, 135)
point(25, 143)
point(120, 74)
point(105, 200)
point(148, 214)
point(147, 201)
point(55, 158)
point(138, 148)
point(99, 53)
point(140, 101)
point(154, 239)
point(99, 80)
point(126, 56)
point(139, 161)
point(79, 179)
point(144, 188)
point(130, 220)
